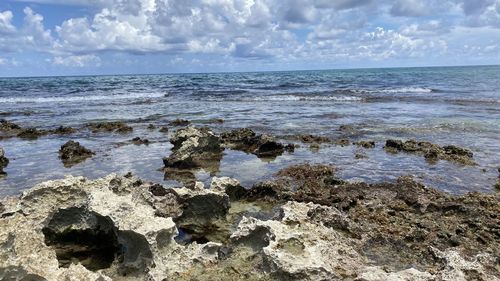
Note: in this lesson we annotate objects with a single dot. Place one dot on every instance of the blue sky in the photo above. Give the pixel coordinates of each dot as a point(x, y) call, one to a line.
point(78, 37)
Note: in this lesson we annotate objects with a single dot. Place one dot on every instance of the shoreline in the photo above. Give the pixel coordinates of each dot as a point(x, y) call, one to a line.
point(303, 223)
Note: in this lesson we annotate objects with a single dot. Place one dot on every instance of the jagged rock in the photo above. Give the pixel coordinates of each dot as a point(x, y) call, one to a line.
point(200, 208)
point(431, 152)
point(194, 148)
point(105, 229)
point(31, 133)
point(72, 153)
point(313, 139)
point(151, 127)
point(247, 140)
point(365, 144)
point(4, 161)
point(163, 129)
point(230, 186)
point(179, 122)
point(115, 127)
point(62, 130)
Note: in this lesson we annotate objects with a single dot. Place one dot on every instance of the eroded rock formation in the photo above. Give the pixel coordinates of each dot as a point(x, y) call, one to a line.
point(4, 161)
point(72, 153)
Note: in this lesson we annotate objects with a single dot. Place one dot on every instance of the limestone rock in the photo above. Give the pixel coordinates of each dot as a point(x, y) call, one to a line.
point(194, 148)
point(230, 186)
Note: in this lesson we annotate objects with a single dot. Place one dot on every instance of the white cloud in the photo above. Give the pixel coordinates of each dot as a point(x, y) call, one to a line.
point(77, 61)
point(274, 30)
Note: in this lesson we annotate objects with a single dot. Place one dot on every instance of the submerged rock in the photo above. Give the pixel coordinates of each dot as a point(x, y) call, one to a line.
point(72, 153)
point(62, 130)
point(179, 122)
point(31, 133)
point(4, 161)
point(365, 144)
point(194, 148)
point(9, 127)
point(431, 152)
point(115, 127)
point(313, 139)
point(247, 140)
point(139, 141)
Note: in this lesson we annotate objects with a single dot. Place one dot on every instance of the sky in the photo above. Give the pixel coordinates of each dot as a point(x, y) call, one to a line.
point(81, 37)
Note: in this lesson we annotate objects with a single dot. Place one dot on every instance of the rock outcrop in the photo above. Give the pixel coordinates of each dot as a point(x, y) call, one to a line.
point(77, 229)
point(72, 153)
point(263, 146)
point(4, 161)
point(432, 152)
point(109, 127)
point(194, 148)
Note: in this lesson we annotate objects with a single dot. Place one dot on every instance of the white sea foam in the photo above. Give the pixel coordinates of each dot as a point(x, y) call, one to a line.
point(63, 99)
point(404, 90)
point(306, 98)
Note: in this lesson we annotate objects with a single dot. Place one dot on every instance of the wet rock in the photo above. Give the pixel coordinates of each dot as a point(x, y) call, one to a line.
point(179, 122)
point(342, 142)
point(497, 184)
point(395, 225)
point(105, 229)
point(139, 141)
point(109, 127)
point(365, 144)
point(313, 139)
point(194, 148)
point(62, 130)
point(246, 140)
point(229, 186)
point(31, 133)
point(431, 152)
point(72, 153)
point(4, 161)
point(7, 126)
point(151, 127)
point(163, 129)
point(346, 128)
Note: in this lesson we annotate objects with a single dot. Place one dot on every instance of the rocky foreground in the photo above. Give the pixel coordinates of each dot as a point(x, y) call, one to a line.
point(305, 224)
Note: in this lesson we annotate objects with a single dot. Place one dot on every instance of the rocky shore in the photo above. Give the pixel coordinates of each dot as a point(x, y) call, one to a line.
point(304, 223)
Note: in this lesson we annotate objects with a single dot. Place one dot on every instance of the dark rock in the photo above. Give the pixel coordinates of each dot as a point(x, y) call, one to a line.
point(7, 126)
point(163, 129)
point(431, 152)
point(151, 127)
point(248, 141)
point(497, 184)
point(365, 144)
point(139, 141)
point(61, 130)
point(4, 161)
point(179, 122)
point(346, 128)
point(31, 133)
point(342, 142)
point(313, 139)
point(72, 153)
point(115, 127)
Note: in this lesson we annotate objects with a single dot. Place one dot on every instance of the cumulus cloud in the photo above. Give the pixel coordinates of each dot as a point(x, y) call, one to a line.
point(273, 30)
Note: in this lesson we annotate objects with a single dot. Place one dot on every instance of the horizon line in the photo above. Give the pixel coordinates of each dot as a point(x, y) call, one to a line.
point(257, 71)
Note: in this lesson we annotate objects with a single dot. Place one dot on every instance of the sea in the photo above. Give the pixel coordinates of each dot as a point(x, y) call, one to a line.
point(443, 105)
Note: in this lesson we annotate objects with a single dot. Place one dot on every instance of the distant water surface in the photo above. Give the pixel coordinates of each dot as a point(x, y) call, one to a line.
point(449, 105)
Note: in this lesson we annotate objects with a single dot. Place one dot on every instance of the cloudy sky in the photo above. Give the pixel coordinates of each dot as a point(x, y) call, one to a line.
point(66, 37)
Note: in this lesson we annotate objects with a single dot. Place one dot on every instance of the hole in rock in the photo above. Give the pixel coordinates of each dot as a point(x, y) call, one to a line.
point(79, 236)
point(187, 236)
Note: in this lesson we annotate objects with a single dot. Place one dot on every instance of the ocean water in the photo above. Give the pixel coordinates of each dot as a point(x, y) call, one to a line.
point(444, 105)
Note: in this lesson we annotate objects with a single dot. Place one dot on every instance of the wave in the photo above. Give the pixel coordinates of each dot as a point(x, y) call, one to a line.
point(62, 99)
point(305, 98)
point(404, 90)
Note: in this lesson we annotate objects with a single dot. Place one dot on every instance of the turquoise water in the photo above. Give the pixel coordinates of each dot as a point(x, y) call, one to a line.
point(452, 105)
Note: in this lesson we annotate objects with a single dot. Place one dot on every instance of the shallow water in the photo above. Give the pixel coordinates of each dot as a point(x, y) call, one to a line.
point(456, 105)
